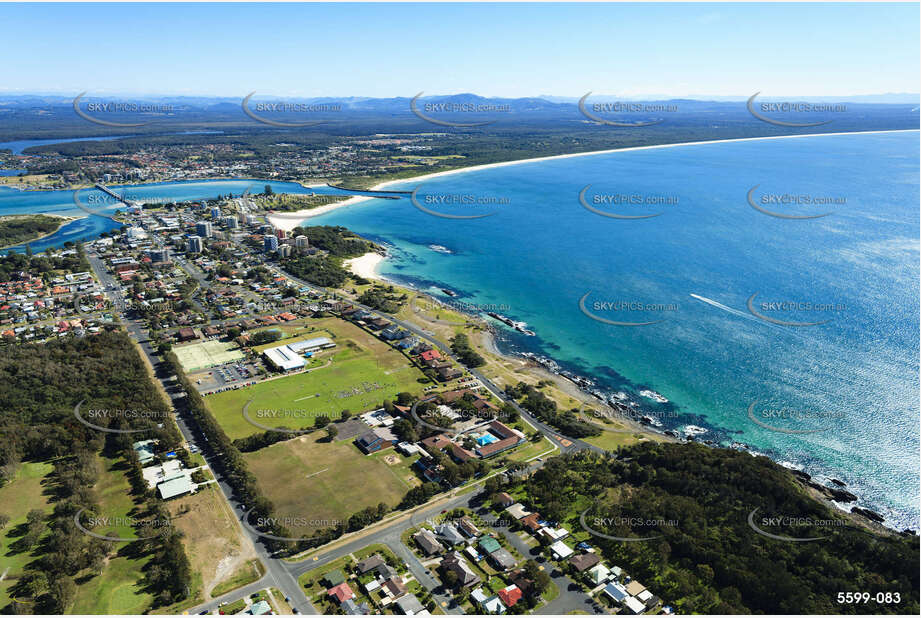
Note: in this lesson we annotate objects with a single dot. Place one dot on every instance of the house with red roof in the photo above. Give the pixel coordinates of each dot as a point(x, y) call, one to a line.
point(510, 595)
point(430, 355)
point(341, 593)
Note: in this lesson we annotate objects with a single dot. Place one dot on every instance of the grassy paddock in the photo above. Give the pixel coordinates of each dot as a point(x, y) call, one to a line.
point(322, 482)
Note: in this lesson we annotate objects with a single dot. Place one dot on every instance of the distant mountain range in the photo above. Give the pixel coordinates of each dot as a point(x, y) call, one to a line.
point(521, 104)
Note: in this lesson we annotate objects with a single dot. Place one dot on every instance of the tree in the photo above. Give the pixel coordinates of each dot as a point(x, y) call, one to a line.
point(345, 415)
point(321, 421)
point(331, 432)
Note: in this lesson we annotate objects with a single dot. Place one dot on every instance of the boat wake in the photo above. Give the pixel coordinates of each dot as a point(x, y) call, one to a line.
point(743, 314)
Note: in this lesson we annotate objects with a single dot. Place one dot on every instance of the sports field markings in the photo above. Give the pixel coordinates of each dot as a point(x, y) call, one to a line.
point(316, 473)
point(307, 397)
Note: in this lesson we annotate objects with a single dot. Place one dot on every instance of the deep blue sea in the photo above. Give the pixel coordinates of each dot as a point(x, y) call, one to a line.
point(850, 381)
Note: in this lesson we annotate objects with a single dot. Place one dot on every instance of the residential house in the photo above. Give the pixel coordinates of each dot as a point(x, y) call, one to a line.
point(411, 606)
point(510, 595)
point(502, 559)
point(467, 527)
point(372, 562)
point(351, 608)
point(517, 511)
point(394, 587)
point(340, 593)
point(505, 500)
point(449, 533)
point(428, 543)
point(561, 550)
point(598, 575)
point(334, 578)
point(583, 562)
point(456, 564)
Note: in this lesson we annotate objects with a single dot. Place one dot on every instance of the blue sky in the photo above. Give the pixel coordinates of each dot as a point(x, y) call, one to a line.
point(491, 49)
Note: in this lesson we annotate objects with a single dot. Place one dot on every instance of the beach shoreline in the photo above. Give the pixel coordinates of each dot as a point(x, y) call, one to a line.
point(291, 220)
point(366, 266)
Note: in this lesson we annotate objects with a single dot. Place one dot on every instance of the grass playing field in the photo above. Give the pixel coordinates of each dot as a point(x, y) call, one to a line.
point(24, 493)
point(118, 589)
point(320, 482)
point(207, 354)
point(360, 375)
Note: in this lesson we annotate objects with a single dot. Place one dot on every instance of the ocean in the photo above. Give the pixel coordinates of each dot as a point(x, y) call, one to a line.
point(692, 303)
point(836, 395)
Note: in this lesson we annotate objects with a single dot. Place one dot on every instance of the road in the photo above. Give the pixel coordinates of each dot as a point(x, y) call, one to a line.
point(570, 444)
point(276, 574)
point(283, 575)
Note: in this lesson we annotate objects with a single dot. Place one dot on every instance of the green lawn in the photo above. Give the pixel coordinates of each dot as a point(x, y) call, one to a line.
point(355, 380)
point(322, 482)
point(24, 493)
point(610, 440)
point(529, 449)
point(117, 589)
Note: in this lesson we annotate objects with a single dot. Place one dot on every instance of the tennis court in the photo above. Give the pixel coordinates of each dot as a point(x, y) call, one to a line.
point(206, 354)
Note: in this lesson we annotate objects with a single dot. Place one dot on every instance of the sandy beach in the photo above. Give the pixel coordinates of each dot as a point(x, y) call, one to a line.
point(289, 221)
point(365, 266)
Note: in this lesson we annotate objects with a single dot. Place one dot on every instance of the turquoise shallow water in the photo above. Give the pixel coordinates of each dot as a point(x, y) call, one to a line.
point(88, 227)
point(853, 378)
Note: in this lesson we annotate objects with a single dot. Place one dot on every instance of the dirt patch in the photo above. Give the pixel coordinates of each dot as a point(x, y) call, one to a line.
point(213, 538)
point(391, 460)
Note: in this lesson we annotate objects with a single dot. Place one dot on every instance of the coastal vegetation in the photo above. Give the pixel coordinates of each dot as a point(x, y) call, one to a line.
point(544, 408)
point(19, 229)
point(460, 345)
point(54, 566)
point(705, 556)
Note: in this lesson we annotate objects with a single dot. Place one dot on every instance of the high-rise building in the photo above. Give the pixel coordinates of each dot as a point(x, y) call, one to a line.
point(159, 255)
point(301, 242)
point(271, 244)
point(195, 245)
point(203, 229)
point(284, 251)
point(215, 213)
point(281, 234)
point(230, 222)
